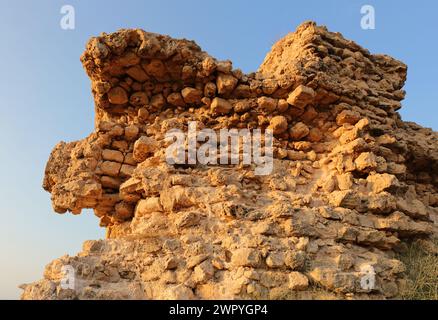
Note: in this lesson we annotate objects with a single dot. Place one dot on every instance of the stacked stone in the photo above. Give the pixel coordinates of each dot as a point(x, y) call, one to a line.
point(351, 180)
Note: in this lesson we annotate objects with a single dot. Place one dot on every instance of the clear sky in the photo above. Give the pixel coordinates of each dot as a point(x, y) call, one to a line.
point(45, 95)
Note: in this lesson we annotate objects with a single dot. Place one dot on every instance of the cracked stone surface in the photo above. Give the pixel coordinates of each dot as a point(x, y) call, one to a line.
point(351, 180)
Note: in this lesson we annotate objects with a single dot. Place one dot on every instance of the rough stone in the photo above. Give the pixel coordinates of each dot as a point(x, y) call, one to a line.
point(246, 257)
point(139, 99)
point(267, 104)
point(350, 180)
point(225, 83)
point(117, 95)
point(143, 147)
point(301, 97)
point(221, 106)
point(298, 281)
point(191, 95)
point(112, 155)
point(137, 73)
point(278, 124)
point(299, 131)
point(347, 116)
point(176, 99)
point(110, 168)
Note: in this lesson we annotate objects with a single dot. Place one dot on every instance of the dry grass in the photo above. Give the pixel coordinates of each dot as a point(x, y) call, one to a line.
point(422, 271)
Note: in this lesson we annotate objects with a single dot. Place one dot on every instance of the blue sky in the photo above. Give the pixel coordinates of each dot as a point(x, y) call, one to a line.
point(45, 94)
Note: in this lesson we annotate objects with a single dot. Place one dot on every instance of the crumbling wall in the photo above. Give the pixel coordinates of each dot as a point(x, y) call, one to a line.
point(351, 180)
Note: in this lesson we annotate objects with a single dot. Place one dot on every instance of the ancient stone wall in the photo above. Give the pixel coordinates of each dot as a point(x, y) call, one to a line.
point(351, 180)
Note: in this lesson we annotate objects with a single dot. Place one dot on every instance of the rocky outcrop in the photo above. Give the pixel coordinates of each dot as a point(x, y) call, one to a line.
point(350, 182)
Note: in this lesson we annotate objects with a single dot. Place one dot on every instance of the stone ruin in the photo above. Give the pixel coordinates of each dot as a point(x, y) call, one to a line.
point(351, 183)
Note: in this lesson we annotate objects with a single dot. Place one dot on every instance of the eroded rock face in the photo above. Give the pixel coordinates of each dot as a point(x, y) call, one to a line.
point(351, 180)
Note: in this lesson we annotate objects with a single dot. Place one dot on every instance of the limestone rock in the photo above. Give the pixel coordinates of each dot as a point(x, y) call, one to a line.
point(110, 168)
point(366, 161)
point(144, 147)
point(137, 73)
point(191, 95)
point(246, 257)
point(112, 155)
point(347, 116)
point(139, 99)
point(176, 99)
point(298, 281)
point(278, 124)
point(301, 97)
point(299, 131)
point(221, 106)
point(350, 180)
point(267, 104)
point(117, 95)
point(226, 83)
